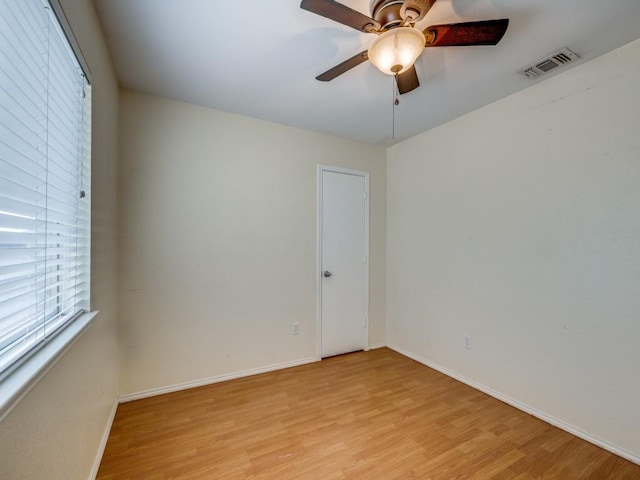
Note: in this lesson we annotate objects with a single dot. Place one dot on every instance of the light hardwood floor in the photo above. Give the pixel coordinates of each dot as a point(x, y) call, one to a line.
point(368, 415)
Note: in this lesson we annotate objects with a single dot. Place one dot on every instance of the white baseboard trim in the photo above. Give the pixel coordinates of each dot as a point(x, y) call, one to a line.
point(377, 345)
point(103, 441)
point(521, 406)
point(208, 381)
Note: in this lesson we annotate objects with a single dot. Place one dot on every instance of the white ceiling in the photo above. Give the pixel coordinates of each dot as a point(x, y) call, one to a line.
point(260, 58)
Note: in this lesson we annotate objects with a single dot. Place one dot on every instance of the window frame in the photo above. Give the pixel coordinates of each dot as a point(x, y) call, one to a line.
point(26, 371)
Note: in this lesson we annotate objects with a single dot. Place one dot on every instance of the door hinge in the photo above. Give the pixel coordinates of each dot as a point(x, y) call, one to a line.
point(364, 195)
point(364, 259)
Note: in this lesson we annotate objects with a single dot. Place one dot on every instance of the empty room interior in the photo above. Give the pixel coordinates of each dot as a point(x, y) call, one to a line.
point(430, 271)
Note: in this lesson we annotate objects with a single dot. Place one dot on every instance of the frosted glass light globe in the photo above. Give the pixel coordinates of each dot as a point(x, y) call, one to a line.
point(396, 50)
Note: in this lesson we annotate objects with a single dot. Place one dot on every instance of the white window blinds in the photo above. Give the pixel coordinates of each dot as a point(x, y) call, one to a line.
point(44, 180)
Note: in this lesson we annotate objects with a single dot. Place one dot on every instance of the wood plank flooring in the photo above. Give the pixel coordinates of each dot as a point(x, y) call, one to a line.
point(368, 415)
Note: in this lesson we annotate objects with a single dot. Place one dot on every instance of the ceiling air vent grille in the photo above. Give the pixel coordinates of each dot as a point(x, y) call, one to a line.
point(553, 61)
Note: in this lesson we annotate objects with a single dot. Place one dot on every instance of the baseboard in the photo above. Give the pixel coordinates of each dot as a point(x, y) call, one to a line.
point(521, 406)
point(208, 381)
point(103, 441)
point(377, 345)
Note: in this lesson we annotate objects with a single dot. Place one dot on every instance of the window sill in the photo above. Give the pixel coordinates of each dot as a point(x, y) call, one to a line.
point(15, 386)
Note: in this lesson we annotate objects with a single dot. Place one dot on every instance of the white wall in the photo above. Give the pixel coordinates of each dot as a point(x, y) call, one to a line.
point(218, 246)
point(519, 225)
point(55, 432)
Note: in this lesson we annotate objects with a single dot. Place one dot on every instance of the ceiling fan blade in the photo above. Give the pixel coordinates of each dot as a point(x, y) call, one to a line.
point(407, 81)
point(343, 67)
point(485, 32)
point(341, 14)
point(417, 9)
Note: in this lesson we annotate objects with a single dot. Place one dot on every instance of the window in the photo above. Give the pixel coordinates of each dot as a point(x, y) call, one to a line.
point(44, 180)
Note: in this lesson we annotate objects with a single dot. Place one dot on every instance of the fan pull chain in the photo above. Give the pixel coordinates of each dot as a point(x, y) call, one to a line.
point(396, 102)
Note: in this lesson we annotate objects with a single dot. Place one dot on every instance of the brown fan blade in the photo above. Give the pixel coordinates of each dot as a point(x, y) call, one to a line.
point(408, 80)
point(415, 10)
point(486, 32)
point(343, 67)
point(341, 14)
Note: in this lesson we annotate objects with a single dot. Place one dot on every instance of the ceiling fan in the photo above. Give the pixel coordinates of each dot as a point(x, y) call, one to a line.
point(399, 43)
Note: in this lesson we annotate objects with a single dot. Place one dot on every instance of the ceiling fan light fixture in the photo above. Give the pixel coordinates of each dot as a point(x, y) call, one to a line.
point(396, 50)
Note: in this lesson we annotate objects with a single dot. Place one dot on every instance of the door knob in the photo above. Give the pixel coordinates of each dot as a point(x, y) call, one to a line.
point(327, 273)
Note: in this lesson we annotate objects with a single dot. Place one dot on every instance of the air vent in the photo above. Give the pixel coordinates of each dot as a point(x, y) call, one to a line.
point(553, 61)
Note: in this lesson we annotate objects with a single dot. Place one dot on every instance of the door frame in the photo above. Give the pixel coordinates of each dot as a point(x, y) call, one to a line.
point(366, 259)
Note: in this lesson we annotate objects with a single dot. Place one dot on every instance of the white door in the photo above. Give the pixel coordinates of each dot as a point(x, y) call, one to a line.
point(344, 272)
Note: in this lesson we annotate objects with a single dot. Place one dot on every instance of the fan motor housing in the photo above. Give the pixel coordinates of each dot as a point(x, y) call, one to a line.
point(387, 12)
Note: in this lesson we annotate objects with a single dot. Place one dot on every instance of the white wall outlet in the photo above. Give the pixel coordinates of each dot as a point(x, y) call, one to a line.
point(467, 342)
point(295, 328)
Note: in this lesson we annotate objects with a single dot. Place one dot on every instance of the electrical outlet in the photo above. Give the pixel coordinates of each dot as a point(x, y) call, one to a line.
point(295, 328)
point(467, 342)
